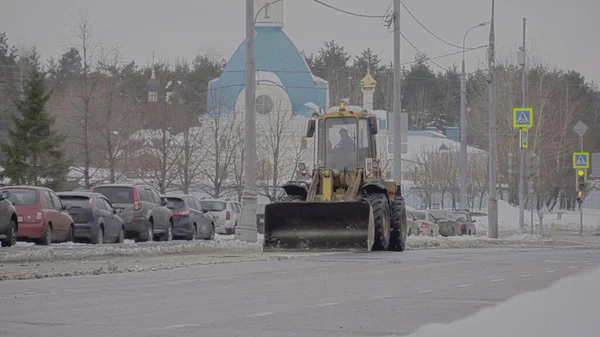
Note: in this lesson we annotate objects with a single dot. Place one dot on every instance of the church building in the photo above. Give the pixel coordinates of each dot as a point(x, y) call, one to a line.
point(284, 81)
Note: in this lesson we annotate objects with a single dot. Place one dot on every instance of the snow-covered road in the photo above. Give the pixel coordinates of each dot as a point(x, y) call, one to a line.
point(377, 294)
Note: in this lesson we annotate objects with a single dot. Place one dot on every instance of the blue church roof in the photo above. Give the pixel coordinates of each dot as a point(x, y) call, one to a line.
point(275, 53)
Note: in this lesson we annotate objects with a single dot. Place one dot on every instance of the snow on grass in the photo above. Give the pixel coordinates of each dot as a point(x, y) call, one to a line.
point(82, 251)
point(567, 308)
point(525, 240)
point(508, 218)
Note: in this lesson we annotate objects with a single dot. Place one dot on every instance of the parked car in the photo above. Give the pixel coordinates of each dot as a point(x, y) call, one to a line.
point(143, 210)
point(467, 224)
point(9, 223)
point(41, 216)
point(190, 219)
point(94, 216)
point(426, 222)
point(413, 227)
point(448, 223)
point(260, 219)
point(225, 212)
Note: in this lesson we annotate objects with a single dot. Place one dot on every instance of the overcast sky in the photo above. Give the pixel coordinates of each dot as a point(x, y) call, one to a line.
point(562, 33)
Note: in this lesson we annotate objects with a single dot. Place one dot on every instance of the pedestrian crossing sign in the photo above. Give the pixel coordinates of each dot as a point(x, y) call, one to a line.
point(522, 118)
point(581, 160)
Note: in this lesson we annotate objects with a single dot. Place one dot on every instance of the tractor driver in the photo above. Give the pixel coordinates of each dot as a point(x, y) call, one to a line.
point(346, 144)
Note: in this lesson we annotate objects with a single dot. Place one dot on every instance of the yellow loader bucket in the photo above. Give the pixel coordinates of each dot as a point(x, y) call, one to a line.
point(318, 226)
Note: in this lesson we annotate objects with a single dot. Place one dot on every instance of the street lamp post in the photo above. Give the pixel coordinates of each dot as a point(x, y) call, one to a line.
point(246, 229)
point(463, 125)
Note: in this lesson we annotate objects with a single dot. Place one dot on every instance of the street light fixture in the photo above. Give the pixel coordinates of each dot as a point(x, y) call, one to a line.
point(463, 124)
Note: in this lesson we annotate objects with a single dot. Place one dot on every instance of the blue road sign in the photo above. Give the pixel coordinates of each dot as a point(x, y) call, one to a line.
point(522, 118)
point(581, 160)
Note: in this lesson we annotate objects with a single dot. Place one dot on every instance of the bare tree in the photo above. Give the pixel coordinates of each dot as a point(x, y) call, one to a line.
point(218, 145)
point(81, 96)
point(281, 147)
point(115, 119)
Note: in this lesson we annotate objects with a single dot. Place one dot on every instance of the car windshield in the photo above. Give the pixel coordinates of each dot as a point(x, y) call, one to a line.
point(340, 143)
point(419, 215)
point(441, 214)
point(75, 201)
point(116, 194)
point(175, 203)
point(23, 196)
point(213, 206)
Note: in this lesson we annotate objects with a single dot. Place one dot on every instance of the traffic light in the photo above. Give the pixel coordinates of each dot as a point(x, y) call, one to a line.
point(581, 179)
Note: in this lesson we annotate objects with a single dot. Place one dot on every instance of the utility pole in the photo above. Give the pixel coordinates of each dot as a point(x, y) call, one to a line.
point(523, 152)
point(246, 229)
point(493, 201)
point(397, 106)
point(463, 125)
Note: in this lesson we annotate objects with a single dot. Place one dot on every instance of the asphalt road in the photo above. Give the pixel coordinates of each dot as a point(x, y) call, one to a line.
point(375, 294)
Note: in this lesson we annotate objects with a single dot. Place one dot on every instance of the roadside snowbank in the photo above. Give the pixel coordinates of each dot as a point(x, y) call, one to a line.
point(525, 240)
point(80, 252)
point(567, 308)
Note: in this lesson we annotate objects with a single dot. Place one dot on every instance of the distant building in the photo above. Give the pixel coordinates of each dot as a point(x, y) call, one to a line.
point(284, 79)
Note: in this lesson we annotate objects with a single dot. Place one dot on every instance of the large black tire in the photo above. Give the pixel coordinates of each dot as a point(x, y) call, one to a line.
point(381, 216)
point(398, 225)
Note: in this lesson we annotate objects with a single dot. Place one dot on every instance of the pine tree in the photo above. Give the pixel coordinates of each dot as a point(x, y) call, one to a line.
point(34, 154)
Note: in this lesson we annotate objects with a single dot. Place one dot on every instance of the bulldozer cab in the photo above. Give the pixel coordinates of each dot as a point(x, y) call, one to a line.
point(345, 138)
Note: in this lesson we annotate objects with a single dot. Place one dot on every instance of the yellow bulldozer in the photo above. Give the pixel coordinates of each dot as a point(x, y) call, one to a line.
point(345, 204)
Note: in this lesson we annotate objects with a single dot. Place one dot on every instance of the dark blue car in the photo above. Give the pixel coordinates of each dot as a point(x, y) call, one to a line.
point(190, 220)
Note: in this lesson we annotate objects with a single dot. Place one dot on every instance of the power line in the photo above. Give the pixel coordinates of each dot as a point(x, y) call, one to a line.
point(351, 13)
point(420, 52)
point(427, 29)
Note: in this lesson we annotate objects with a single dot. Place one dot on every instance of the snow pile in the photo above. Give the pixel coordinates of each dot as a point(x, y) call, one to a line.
point(568, 308)
point(57, 252)
point(428, 242)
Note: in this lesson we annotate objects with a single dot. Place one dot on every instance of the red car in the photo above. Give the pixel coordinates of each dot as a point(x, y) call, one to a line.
point(41, 215)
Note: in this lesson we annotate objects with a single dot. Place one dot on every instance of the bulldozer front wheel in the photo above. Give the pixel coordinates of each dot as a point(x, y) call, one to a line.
point(398, 226)
point(381, 216)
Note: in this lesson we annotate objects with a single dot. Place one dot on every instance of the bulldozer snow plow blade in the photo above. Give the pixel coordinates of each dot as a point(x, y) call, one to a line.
point(318, 226)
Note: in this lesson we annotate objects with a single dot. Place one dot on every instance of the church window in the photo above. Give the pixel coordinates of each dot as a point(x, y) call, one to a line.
point(152, 96)
point(267, 11)
point(264, 104)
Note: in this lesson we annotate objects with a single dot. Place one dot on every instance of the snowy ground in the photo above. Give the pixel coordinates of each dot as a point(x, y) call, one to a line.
point(508, 218)
point(568, 308)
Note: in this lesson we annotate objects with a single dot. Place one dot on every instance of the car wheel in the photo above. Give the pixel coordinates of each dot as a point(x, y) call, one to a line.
point(150, 232)
point(11, 238)
point(212, 232)
point(169, 234)
point(121, 237)
point(99, 239)
point(194, 231)
point(46, 238)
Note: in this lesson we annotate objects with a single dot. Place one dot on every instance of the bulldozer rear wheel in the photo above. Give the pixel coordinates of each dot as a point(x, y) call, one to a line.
point(381, 216)
point(398, 226)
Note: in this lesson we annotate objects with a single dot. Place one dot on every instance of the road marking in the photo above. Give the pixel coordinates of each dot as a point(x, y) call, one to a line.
point(499, 280)
point(381, 297)
point(465, 285)
point(472, 302)
point(561, 261)
point(424, 291)
point(549, 271)
point(573, 267)
point(179, 326)
point(525, 275)
point(261, 314)
point(326, 304)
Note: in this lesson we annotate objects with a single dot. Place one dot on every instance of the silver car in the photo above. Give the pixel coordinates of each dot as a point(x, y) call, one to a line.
point(143, 210)
point(448, 223)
